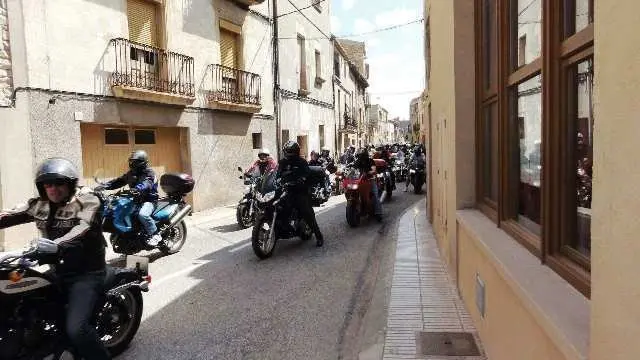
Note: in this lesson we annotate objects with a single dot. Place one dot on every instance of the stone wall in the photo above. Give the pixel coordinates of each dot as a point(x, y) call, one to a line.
point(6, 79)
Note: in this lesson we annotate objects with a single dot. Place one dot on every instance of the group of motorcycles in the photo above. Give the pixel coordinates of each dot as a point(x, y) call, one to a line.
point(265, 199)
point(32, 325)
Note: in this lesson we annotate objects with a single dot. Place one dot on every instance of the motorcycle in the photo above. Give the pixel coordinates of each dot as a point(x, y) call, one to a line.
point(274, 217)
point(417, 175)
point(400, 170)
point(319, 192)
point(127, 234)
point(33, 325)
point(357, 187)
point(245, 210)
point(336, 181)
point(385, 184)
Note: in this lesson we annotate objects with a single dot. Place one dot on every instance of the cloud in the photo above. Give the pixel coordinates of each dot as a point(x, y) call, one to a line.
point(362, 26)
point(397, 16)
point(348, 4)
point(336, 25)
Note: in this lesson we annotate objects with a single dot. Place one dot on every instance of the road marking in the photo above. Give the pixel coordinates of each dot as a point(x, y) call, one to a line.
point(197, 264)
point(238, 248)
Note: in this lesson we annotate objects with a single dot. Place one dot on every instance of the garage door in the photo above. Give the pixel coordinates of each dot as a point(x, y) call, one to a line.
point(106, 149)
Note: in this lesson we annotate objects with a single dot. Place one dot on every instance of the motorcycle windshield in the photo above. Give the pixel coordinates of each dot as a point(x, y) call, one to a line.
point(268, 183)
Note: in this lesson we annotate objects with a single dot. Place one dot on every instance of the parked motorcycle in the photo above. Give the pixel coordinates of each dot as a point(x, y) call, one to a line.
point(275, 218)
point(31, 303)
point(127, 234)
point(357, 187)
point(245, 210)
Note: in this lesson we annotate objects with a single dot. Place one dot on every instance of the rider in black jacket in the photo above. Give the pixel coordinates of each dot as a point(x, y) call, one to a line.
point(71, 216)
point(293, 172)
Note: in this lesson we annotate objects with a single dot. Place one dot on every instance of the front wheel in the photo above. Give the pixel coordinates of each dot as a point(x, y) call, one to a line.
point(353, 218)
point(175, 239)
point(243, 216)
point(263, 239)
point(119, 320)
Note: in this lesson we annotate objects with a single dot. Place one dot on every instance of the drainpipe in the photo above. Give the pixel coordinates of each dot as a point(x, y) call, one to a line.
point(276, 80)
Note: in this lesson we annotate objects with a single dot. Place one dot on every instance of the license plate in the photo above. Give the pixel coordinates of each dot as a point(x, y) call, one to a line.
point(141, 263)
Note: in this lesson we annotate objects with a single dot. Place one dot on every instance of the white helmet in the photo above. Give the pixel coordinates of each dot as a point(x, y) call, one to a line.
point(264, 151)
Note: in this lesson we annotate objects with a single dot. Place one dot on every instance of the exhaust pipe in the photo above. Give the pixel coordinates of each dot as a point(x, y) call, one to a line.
point(180, 215)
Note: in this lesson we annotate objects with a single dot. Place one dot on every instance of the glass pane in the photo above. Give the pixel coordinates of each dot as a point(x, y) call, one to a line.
point(526, 17)
point(489, 35)
point(256, 139)
point(581, 92)
point(490, 152)
point(529, 124)
point(577, 15)
point(116, 136)
point(145, 137)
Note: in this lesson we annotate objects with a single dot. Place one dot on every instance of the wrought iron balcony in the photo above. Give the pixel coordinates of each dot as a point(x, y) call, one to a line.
point(234, 89)
point(144, 72)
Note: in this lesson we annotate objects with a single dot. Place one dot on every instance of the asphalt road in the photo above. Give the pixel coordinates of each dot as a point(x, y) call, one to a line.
point(216, 300)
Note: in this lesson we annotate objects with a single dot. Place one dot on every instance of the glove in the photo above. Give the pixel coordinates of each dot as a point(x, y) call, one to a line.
point(134, 192)
point(99, 188)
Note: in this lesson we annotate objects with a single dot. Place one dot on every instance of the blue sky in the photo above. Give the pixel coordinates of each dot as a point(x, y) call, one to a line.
point(395, 57)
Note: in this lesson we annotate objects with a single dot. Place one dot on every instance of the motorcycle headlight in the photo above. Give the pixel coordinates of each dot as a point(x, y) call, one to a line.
point(380, 175)
point(266, 197)
point(412, 171)
point(352, 186)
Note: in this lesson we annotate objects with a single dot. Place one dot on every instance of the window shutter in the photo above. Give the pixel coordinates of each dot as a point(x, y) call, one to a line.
point(228, 49)
point(142, 22)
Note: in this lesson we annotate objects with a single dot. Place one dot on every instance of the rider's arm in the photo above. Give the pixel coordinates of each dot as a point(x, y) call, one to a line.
point(17, 216)
point(87, 217)
point(116, 183)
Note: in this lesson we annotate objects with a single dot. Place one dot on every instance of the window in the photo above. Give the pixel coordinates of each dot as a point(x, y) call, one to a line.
point(144, 137)
point(142, 17)
point(321, 134)
point(535, 184)
point(116, 137)
point(256, 139)
point(336, 64)
point(302, 83)
point(318, 65)
point(228, 49)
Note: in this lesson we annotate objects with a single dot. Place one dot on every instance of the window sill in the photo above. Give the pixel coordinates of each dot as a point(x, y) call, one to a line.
point(558, 308)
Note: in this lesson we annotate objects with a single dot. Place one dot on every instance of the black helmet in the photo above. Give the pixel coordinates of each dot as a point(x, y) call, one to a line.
point(362, 154)
point(291, 149)
point(55, 170)
point(139, 159)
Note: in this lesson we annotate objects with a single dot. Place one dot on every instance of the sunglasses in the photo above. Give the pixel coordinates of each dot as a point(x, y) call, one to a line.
point(57, 182)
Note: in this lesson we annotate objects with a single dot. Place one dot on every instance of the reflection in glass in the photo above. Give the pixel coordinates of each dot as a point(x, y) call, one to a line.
point(490, 152)
point(580, 92)
point(489, 34)
point(577, 15)
point(527, 17)
point(529, 124)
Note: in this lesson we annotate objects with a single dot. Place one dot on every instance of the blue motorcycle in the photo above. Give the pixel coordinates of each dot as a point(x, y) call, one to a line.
point(127, 234)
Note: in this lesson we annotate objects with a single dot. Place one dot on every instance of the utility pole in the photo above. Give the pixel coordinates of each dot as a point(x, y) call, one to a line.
point(276, 79)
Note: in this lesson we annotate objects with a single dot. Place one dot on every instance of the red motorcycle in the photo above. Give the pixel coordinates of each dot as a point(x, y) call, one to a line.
point(357, 190)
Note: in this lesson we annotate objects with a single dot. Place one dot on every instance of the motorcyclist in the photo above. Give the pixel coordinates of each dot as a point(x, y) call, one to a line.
point(325, 156)
point(70, 216)
point(141, 180)
point(293, 172)
point(365, 164)
point(383, 152)
point(348, 156)
point(314, 159)
point(264, 164)
point(416, 158)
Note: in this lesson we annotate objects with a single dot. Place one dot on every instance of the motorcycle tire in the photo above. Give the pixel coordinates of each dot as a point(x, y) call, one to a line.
point(258, 236)
point(180, 231)
point(353, 217)
point(122, 343)
point(242, 216)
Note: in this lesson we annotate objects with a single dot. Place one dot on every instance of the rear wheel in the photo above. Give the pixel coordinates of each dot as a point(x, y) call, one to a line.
point(263, 239)
point(175, 239)
point(119, 320)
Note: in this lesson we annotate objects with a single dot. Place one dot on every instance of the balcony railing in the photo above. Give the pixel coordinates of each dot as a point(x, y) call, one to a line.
point(149, 68)
point(234, 86)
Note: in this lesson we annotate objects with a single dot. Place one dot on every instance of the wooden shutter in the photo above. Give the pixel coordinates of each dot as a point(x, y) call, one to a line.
point(142, 18)
point(228, 49)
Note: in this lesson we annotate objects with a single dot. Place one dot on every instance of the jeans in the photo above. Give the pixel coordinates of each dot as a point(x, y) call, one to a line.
point(302, 202)
point(144, 215)
point(83, 292)
point(377, 206)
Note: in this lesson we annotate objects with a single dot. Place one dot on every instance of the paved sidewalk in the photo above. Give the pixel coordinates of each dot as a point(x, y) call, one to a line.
point(423, 298)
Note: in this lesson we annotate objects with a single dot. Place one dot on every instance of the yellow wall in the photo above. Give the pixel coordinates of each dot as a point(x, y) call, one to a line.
point(615, 287)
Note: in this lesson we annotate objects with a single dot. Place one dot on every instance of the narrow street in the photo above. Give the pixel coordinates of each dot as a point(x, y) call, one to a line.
point(216, 300)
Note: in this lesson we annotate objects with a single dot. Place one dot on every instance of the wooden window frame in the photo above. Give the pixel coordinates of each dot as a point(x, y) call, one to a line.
point(557, 54)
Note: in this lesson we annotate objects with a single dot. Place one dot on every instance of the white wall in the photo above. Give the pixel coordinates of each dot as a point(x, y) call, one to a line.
point(68, 41)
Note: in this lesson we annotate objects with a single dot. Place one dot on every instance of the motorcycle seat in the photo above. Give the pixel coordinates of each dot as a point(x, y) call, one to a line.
point(114, 274)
